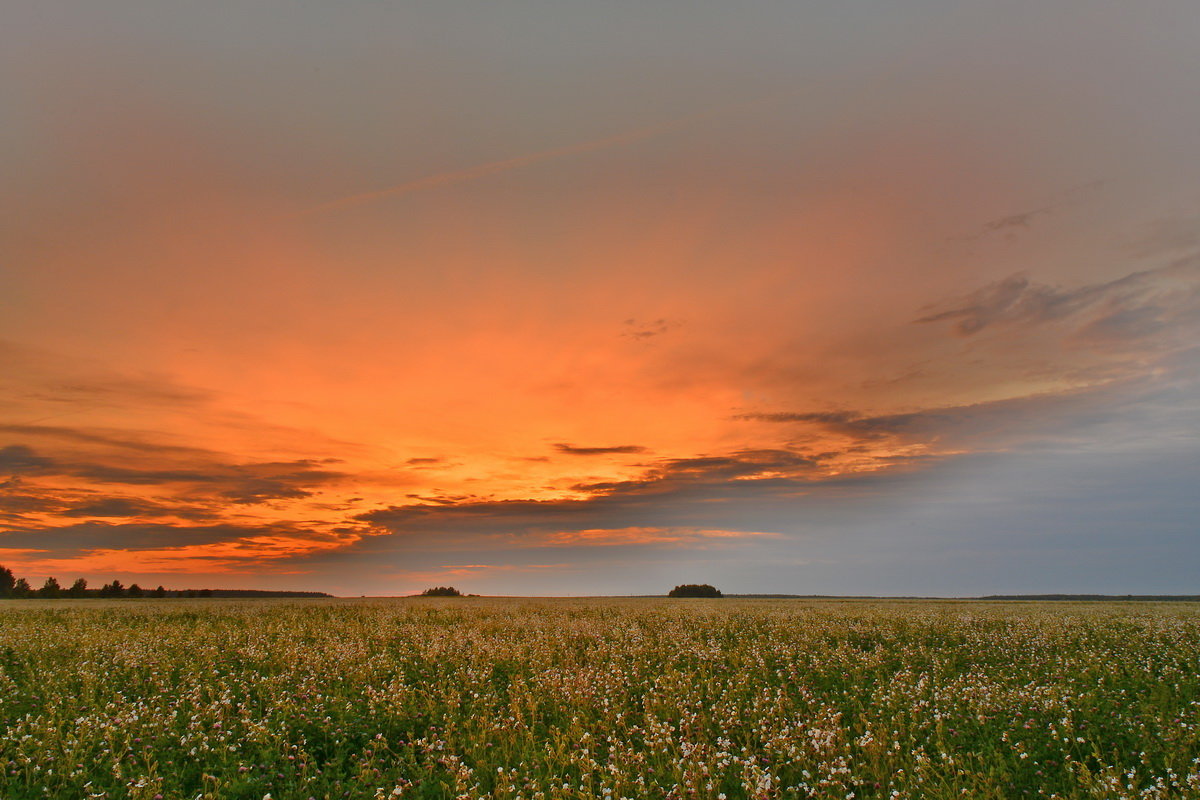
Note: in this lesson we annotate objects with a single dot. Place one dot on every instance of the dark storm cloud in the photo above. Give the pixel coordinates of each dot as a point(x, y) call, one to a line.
point(572, 450)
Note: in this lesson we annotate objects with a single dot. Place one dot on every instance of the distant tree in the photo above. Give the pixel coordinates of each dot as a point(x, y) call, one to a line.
point(78, 588)
point(190, 593)
point(7, 581)
point(159, 592)
point(441, 591)
point(695, 590)
point(206, 592)
point(134, 591)
point(114, 589)
point(50, 588)
point(22, 588)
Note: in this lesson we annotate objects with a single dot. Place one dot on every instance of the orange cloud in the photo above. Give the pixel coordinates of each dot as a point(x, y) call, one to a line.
point(251, 555)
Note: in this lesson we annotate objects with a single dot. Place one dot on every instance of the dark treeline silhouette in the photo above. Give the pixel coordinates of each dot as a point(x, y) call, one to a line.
point(695, 590)
point(442, 591)
point(11, 586)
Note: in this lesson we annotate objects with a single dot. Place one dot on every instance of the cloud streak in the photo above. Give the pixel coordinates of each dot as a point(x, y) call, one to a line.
point(467, 174)
point(622, 449)
point(644, 536)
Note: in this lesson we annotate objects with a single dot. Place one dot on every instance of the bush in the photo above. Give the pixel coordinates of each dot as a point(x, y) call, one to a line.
point(695, 590)
point(442, 591)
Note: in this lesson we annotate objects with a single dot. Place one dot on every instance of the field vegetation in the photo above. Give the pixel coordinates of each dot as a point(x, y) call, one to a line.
point(473, 697)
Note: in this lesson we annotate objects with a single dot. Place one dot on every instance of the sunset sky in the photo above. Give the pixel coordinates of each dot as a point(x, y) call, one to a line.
point(535, 297)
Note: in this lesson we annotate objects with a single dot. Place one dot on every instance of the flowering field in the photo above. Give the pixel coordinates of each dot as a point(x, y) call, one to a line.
point(598, 698)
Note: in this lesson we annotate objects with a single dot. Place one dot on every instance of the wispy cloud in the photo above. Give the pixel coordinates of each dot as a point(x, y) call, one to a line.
point(490, 168)
point(1133, 307)
point(1011, 224)
point(643, 536)
point(621, 449)
point(642, 330)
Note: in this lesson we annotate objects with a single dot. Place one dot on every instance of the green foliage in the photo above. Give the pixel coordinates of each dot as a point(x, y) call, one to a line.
point(695, 590)
point(441, 591)
point(567, 700)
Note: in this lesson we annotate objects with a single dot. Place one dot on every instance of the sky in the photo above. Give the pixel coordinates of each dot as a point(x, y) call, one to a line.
point(549, 298)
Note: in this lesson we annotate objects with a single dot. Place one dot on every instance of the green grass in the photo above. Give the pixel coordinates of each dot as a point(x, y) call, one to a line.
point(640, 698)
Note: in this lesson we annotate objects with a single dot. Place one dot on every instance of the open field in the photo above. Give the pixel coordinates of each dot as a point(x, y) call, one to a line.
point(598, 698)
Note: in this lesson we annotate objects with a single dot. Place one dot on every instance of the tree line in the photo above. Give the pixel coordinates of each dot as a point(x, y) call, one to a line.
point(12, 586)
point(695, 590)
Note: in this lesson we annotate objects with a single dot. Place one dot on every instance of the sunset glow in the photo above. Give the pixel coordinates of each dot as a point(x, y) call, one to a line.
point(563, 299)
